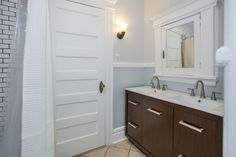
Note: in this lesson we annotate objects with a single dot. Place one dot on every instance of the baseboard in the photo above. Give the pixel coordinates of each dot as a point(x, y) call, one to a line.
point(118, 134)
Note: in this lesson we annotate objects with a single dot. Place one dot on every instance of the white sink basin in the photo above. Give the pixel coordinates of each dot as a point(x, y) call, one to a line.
point(206, 105)
point(154, 92)
point(195, 101)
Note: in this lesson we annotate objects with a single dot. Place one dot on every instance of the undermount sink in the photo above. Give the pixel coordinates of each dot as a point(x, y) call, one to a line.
point(195, 101)
point(155, 92)
point(183, 99)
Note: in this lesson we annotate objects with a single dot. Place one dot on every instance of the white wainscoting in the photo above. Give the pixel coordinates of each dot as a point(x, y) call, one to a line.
point(118, 134)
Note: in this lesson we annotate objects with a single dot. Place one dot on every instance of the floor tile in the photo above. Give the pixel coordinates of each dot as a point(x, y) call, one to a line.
point(133, 148)
point(136, 154)
point(117, 152)
point(100, 152)
point(124, 145)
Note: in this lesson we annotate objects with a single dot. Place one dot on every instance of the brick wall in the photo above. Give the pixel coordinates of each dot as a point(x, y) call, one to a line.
point(8, 10)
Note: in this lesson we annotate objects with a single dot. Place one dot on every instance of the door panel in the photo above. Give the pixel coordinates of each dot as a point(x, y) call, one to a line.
point(70, 64)
point(174, 58)
point(70, 133)
point(78, 108)
point(77, 43)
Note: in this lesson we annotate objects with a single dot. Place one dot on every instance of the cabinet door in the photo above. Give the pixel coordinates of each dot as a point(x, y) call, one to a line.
point(194, 136)
point(157, 127)
point(134, 106)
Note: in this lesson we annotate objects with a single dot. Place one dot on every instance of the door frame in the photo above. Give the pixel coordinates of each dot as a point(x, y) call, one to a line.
point(108, 64)
point(109, 16)
point(227, 56)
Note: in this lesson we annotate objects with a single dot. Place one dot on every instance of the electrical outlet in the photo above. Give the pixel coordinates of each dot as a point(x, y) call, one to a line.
point(117, 57)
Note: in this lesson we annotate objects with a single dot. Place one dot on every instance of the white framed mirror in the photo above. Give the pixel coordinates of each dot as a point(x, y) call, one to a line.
point(185, 43)
point(181, 46)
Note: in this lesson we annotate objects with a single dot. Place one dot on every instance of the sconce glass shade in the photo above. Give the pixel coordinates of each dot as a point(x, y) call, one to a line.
point(121, 29)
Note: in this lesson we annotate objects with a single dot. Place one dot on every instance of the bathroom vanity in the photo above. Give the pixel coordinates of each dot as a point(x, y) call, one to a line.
point(173, 124)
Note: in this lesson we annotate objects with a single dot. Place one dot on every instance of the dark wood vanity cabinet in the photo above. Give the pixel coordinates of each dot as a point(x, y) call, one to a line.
point(196, 134)
point(157, 118)
point(133, 122)
point(163, 129)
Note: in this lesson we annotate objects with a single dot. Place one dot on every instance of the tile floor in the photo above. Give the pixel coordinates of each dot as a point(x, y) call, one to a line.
point(121, 149)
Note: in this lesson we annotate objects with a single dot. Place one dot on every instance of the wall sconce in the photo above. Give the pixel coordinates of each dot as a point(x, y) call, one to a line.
point(121, 29)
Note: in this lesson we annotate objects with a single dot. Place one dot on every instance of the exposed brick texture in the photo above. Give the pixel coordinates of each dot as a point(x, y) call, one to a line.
point(8, 9)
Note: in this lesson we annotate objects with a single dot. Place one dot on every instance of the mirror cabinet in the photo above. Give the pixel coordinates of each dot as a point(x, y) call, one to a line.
point(186, 40)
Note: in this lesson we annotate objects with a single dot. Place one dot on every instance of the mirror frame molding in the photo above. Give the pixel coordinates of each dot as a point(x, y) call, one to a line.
point(209, 42)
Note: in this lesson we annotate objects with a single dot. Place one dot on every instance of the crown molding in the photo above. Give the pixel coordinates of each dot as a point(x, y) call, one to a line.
point(185, 9)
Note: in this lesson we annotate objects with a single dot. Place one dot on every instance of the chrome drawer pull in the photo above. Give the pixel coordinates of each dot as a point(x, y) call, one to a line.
point(200, 130)
point(133, 103)
point(132, 125)
point(153, 111)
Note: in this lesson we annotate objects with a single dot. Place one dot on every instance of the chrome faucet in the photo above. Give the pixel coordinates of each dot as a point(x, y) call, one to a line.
point(202, 94)
point(158, 86)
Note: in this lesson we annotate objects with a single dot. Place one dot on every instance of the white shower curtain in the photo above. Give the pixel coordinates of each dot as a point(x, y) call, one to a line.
point(188, 52)
point(37, 114)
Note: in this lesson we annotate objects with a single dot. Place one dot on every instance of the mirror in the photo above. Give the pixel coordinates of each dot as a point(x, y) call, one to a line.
point(180, 46)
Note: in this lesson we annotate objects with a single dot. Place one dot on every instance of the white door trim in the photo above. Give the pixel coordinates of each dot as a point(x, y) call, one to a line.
point(109, 14)
point(229, 51)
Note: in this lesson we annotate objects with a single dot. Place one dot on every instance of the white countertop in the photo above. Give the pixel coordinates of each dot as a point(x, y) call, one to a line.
point(183, 99)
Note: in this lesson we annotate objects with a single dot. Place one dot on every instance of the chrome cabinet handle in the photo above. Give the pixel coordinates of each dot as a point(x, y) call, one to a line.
point(132, 125)
point(153, 111)
point(133, 103)
point(200, 130)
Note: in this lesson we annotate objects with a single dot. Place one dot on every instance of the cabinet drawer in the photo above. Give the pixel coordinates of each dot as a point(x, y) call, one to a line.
point(134, 131)
point(195, 136)
point(134, 107)
point(158, 108)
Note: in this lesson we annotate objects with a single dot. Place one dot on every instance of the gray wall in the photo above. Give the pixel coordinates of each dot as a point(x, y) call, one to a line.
point(138, 46)
point(154, 8)
point(131, 47)
point(123, 78)
point(182, 87)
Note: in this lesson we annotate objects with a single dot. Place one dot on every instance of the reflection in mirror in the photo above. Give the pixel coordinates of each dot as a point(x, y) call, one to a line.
point(180, 46)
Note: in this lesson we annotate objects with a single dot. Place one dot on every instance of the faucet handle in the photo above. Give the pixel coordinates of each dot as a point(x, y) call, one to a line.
point(213, 95)
point(164, 87)
point(192, 91)
point(152, 84)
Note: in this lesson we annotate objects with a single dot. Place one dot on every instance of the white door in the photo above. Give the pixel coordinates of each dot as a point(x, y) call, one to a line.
point(174, 58)
point(77, 43)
